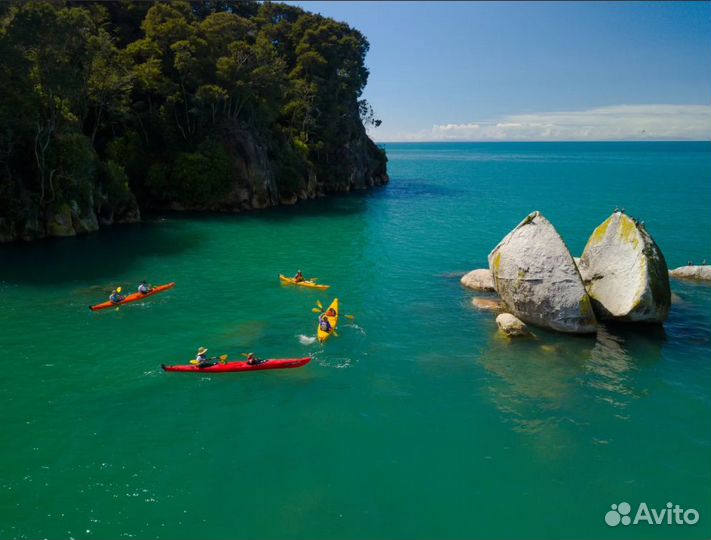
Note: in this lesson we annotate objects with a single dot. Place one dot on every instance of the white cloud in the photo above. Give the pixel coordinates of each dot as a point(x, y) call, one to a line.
point(614, 123)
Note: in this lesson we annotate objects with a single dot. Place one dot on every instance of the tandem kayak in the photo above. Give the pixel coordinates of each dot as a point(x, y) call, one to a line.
point(133, 297)
point(279, 363)
point(308, 284)
point(323, 336)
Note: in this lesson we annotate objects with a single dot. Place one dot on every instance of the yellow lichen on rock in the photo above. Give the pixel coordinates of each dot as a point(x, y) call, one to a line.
point(586, 309)
point(628, 230)
point(497, 262)
point(599, 232)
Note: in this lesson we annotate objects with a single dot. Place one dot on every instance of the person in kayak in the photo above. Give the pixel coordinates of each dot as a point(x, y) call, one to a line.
point(252, 359)
point(299, 277)
point(331, 312)
point(323, 323)
point(116, 296)
point(144, 287)
point(201, 356)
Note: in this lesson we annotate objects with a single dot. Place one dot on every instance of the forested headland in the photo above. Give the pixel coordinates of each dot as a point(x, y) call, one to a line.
point(110, 108)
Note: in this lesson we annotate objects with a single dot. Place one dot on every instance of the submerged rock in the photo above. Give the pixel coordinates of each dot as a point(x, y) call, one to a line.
point(625, 273)
point(536, 277)
point(511, 326)
point(488, 304)
point(478, 280)
point(697, 273)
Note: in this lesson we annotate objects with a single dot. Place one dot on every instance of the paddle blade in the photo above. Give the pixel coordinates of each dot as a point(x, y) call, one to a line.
point(351, 317)
point(194, 362)
point(223, 359)
point(335, 333)
point(316, 310)
point(313, 279)
point(319, 304)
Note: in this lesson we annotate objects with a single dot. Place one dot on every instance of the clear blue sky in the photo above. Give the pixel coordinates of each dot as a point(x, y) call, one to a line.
point(473, 65)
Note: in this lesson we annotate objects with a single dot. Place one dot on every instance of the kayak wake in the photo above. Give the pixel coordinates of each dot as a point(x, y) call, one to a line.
point(306, 340)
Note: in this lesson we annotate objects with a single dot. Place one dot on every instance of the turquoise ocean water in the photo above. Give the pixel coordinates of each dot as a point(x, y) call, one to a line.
point(416, 422)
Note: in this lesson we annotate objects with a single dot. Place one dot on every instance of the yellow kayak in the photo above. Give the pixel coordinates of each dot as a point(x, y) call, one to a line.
point(308, 284)
point(323, 336)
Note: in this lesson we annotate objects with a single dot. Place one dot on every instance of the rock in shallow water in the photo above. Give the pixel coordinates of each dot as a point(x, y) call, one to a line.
point(488, 304)
point(625, 273)
point(537, 279)
point(698, 273)
point(478, 280)
point(511, 326)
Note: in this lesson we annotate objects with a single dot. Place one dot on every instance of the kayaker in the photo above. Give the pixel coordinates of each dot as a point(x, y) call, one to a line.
point(331, 312)
point(116, 296)
point(252, 359)
point(299, 277)
point(323, 322)
point(201, 356)
point(144, 287)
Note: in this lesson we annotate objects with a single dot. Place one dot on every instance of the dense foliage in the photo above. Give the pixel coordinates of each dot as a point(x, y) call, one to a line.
point(104, 105)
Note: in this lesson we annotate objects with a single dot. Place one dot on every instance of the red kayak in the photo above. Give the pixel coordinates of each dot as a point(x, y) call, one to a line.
point(279, 363)
point(133, 297)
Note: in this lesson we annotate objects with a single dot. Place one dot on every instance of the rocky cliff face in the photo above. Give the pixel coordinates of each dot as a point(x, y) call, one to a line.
point(363, 166)
point(253, 186)
point(67, 218)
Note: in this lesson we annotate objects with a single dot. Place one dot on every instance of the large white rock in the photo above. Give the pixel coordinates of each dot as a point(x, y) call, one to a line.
point(698, 273)
point(536, 277)
point(478, 280)
point(625, 273)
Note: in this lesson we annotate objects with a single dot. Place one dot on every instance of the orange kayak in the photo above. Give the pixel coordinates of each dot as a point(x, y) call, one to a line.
point(133, 297)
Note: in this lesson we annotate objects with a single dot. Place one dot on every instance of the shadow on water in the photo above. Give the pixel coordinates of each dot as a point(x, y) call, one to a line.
point(333, 205)
point(111, 250)
point(690, 317)
point(97, 256)
point(415, 188)
point(539, 384)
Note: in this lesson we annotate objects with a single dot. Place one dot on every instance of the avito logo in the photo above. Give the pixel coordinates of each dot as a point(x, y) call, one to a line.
point(671, 515)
